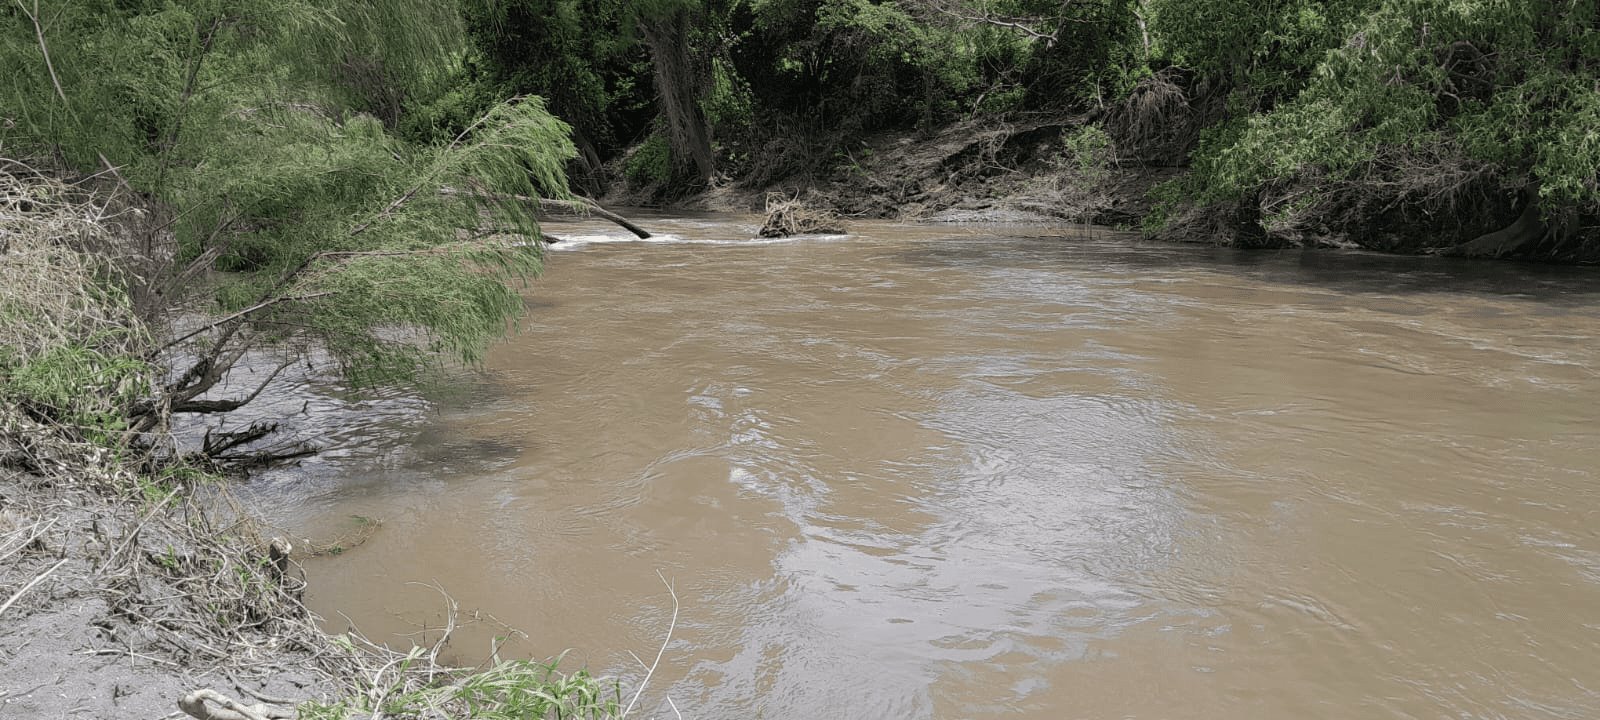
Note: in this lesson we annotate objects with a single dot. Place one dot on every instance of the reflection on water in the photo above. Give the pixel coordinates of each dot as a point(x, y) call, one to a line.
point(955, 473)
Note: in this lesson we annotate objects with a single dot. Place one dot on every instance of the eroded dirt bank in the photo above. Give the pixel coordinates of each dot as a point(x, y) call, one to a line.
point(126, 593)
point(1052, 168)
point(975, 171)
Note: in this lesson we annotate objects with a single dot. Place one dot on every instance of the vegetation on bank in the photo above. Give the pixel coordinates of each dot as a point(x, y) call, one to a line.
point(361, 178)
point(190, 184)
point(1404, 125)
point(142, 555)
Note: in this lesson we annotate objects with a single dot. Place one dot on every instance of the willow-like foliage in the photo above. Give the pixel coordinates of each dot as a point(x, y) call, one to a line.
point(261, 132)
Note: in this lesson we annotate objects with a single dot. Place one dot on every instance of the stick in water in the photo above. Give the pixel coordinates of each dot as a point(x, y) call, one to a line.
point(664, 644)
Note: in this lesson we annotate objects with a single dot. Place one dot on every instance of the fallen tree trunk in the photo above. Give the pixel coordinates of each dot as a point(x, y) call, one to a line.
point(580, 206)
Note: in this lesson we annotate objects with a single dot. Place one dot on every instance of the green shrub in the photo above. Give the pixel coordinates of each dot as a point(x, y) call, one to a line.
point(651, 163)
point(79, 386)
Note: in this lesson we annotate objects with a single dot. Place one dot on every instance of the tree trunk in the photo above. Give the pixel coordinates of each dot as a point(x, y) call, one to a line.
point(591, 178)
point(680, 80)
point(1527, 229)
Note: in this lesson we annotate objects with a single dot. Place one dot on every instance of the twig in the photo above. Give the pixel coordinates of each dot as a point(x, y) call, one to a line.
point(449, 627)
point(38, 32)
point(131, 654)
point(407, 195)
point(38, 531)
point(242, 314)
point(660, 652)
point(31, 583)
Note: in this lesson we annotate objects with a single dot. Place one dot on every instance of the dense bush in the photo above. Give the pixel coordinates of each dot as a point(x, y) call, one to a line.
point(252, 149)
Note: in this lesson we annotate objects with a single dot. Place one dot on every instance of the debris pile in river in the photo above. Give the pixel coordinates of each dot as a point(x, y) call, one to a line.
point(787, 216)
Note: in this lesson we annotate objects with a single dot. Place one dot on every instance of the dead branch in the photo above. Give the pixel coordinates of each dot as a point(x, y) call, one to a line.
point(216, 444)
point(578, 206)
point(216, 406)
point(1025, 26)
point(195, 705)
point(267, 457)
point(25, 588)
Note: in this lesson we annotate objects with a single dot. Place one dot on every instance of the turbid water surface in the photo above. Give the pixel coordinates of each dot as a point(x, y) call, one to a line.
point(933, 472)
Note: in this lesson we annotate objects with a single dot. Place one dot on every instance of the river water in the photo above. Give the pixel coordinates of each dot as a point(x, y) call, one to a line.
point(936, 472)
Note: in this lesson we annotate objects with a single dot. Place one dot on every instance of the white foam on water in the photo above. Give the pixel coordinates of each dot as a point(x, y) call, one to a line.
point(577, 242)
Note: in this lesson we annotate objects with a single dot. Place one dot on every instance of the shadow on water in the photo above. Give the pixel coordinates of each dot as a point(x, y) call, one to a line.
point(1342, 271)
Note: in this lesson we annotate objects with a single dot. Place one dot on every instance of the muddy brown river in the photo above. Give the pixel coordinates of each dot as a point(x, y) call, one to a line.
point(939, 472)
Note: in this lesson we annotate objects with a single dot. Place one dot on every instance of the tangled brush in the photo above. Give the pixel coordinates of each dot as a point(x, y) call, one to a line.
point(787, 216)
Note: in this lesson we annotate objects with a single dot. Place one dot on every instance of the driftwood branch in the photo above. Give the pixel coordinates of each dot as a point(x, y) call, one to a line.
point(585, 206)
point(580, 206)
point(211, 406)
point(195, 705)
point(214, 444)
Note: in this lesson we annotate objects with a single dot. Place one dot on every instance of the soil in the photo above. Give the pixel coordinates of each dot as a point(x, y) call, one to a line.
point(116, 612)
point(968, 172)
point(57, 660)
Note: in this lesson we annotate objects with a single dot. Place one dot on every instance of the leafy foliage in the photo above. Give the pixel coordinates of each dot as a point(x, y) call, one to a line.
point(1408, 94)
point(263, 130)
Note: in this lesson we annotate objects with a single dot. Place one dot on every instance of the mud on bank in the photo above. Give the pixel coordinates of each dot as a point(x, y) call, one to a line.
point(129, 592)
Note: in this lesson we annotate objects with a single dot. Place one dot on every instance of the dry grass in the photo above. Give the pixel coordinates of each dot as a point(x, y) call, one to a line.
point(54, 240)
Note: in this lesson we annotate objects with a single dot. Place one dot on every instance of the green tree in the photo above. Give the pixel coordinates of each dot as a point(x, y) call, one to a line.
point(577, 54)
point(239, 125)
point(1422, 104)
